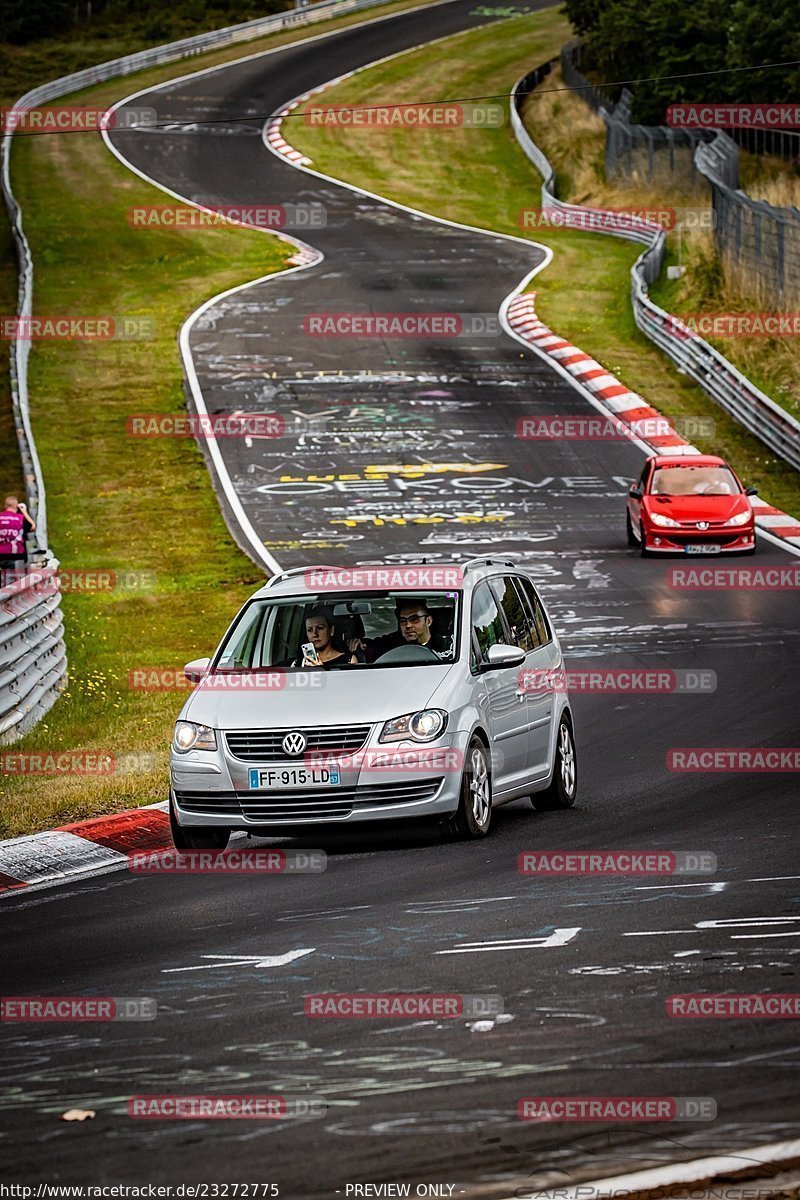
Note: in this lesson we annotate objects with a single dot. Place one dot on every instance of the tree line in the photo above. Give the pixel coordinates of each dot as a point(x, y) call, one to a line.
point(636, 39)
point(24, 21)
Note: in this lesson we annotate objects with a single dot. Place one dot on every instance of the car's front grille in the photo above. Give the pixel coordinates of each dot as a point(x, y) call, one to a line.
point(306, 804)
point(213, 802)
point(702, 537)
point(266, 745)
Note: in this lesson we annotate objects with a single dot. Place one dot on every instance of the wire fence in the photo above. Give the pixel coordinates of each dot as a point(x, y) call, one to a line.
point(726, 385)
point(758, 242)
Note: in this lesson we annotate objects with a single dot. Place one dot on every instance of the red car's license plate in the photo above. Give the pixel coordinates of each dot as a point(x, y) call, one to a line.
point(709, 549)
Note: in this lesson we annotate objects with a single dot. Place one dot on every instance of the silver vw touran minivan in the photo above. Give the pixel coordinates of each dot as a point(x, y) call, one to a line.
point(343, 695)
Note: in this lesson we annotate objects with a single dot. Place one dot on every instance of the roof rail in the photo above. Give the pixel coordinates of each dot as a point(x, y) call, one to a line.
point(485, 560)
point(279, 578)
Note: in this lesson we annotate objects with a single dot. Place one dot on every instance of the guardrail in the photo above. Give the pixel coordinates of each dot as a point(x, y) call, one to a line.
point(695, 357)
point(32, 655)
point(33, 661)
point(758, 241)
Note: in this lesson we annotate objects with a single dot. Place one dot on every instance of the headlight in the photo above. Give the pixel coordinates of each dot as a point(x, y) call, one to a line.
point(658, 519)
point(740, 519)
point(421, 726)
point(189, 736)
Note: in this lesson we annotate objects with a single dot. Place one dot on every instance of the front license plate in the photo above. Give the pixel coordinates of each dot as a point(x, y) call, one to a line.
point(709, 549)
point(275, 778)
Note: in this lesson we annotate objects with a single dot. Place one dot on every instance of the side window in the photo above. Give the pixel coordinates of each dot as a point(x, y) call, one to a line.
point(534, 607)
point(487, 624)
point(520, 623)
point(241, 650)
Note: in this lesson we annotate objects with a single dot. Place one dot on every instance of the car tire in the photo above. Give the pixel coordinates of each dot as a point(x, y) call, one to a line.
point(197, 837)
point(473, 817)
point(644, 552)
point(629, 530)
point(563, 787)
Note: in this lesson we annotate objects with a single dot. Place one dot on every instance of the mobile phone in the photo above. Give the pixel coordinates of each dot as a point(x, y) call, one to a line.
point(310, 652)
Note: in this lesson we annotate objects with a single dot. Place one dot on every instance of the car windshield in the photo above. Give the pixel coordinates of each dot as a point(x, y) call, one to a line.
point(694, 481)
point(343, 631)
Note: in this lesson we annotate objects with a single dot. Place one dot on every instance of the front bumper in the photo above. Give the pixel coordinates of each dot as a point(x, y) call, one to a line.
point(718, 541)
point(210, 788)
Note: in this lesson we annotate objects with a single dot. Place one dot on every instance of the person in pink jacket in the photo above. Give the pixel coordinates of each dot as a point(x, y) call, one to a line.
point(15, 525)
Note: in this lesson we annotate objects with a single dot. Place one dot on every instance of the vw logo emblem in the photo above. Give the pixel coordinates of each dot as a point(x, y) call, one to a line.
point(294, 744)
point(702, 524)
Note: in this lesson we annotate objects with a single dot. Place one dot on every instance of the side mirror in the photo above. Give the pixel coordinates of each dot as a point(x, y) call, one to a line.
point(196, 669)
point(636, 492)
point(751, 491)
point(500, 655)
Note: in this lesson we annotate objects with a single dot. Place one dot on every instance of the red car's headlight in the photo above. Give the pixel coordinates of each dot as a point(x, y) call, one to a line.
point(660, 519)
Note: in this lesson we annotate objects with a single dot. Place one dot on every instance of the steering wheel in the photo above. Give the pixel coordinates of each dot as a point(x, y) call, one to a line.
point(407, 654)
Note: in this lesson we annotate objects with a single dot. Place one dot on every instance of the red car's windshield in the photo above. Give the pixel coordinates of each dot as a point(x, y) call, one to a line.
point(694, 481)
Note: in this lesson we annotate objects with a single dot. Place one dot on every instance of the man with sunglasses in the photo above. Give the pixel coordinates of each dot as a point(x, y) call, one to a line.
point(414, 621)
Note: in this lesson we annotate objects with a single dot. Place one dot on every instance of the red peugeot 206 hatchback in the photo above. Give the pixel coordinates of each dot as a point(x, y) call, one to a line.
point(690, 505)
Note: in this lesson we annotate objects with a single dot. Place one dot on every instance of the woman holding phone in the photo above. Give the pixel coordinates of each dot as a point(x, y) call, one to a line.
point(319, 650)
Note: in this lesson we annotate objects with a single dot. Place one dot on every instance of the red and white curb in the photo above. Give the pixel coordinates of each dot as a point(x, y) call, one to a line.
point(305, 257)
point(588, 375)
point(623, 405)
point(273, 130)
point(86, 848)
point(626, 406)
point(278, 142)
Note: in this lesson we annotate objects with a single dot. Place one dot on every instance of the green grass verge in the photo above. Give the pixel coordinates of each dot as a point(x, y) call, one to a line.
point(114, 502)
point(481, 177)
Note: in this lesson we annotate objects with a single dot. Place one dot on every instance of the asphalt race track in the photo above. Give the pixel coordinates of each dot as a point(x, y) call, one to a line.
point(395, 449)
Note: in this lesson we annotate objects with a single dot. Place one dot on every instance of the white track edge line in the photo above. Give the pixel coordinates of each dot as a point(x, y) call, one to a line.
point(244, 522)
point(514, 294)
point(224, 476)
